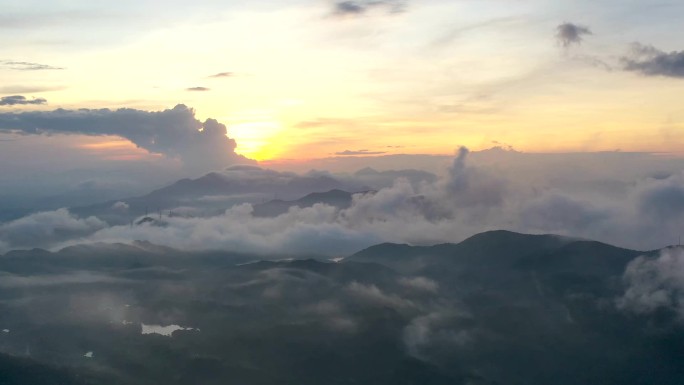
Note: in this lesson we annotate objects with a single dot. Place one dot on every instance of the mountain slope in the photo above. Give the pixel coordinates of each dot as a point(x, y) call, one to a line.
point(336, 198)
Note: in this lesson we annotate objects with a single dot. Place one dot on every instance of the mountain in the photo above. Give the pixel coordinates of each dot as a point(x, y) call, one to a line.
point(502, 249)
point(22, 371)
point(271, 192)
point(215, 192)
point(336, 198)
point(498, 308)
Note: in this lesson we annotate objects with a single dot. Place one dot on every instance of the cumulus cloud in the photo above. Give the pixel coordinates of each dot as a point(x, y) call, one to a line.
point(651, 61)
point(175, 132)
point(655, 283)
point(46, 228)
point(20, 100)
point(360, 7)
point(568, 34)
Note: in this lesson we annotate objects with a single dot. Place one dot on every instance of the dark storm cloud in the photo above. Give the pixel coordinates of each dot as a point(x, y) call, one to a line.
point(20, 100)
point(359, 7)
point(199, 89)
point(174, 132)
point(359, 152)
point(568, 34)
point(26, 66)
point(651, 61)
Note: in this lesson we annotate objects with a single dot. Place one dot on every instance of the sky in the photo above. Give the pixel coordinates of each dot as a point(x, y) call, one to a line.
point(310, 79)
point(568, 113)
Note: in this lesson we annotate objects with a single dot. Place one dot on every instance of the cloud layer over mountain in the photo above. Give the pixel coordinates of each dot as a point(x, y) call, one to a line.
point(466, 200)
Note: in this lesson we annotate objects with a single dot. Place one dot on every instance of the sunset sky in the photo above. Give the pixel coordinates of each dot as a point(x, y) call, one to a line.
point(299, 79)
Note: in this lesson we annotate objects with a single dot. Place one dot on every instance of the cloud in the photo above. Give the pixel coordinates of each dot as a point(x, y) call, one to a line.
point(641, 213)
point(655, 283)
point(568, 34)
point(20, 89)
point(662, 200)
point(120, 206)
point(420, 284)
point(222, 75)
point(176, 133)
point(26, 66)
point(20, 100)
point(198, 89)
point(651, 61)
point(47, 228)
point(314, 230)
point(372, 295)
point(469, 186)
point(438, 328)
point(360, 7)
point(359, 152)
point(79, 277)
point(558, 212)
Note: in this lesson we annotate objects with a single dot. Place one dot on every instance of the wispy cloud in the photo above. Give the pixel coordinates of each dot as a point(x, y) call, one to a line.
point(198, 89)
point(360, 7)
point(21, 89)
point(222, 75)
point(26, 66)
point(359, 152)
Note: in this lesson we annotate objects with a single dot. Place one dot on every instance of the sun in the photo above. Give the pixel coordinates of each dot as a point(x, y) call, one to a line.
point(256, 139)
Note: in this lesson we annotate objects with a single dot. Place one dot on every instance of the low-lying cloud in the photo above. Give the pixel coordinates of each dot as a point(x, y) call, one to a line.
point(655, 283)
point(47, 228)
point(467, 199)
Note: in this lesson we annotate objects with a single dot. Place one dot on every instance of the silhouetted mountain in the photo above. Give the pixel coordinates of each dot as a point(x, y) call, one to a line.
point(336, 198)
point(213, 193)
point(501, 249)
